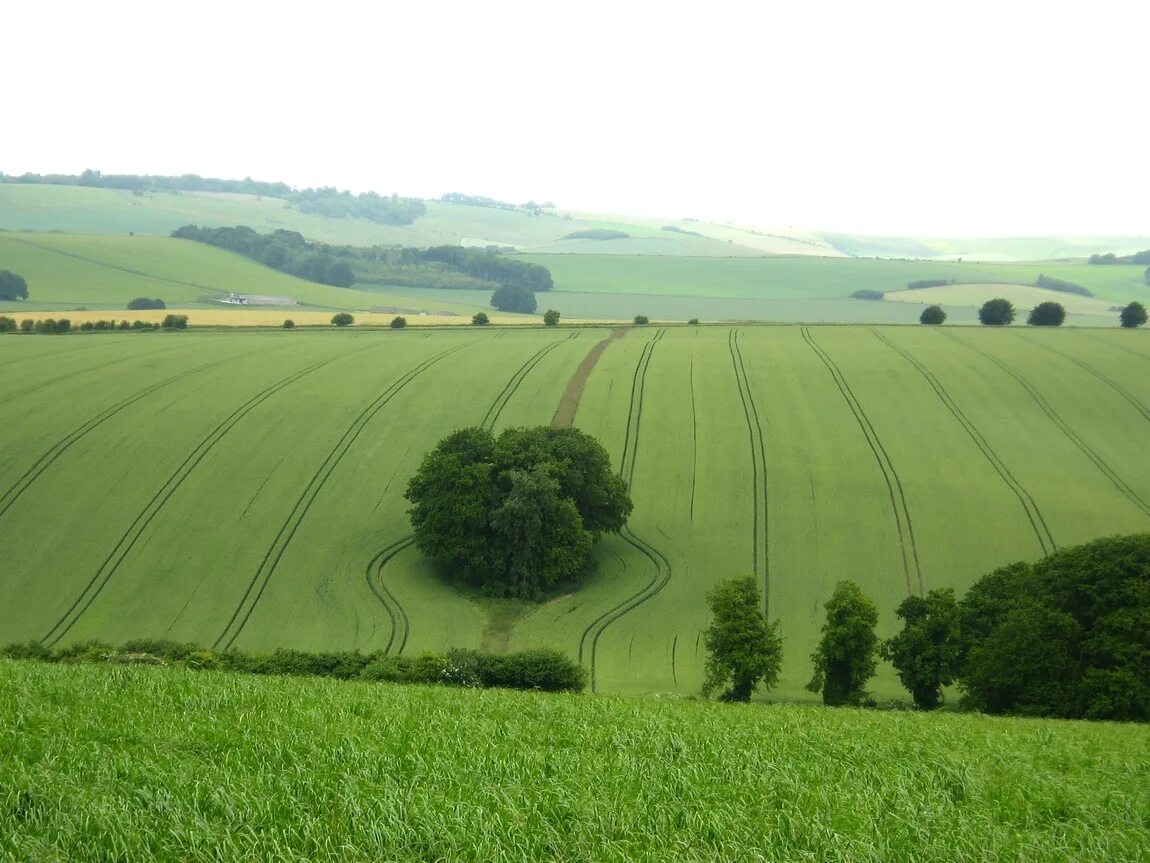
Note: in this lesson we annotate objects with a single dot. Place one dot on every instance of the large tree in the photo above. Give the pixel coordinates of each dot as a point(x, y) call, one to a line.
point(996, 313)
point(743, 650)
point(932, 316)
point(514, 298)
point(925, 654)
point(1134, 314)
point(12, 286)
point(1048, 314)
point(518, 514)
point(845, 657)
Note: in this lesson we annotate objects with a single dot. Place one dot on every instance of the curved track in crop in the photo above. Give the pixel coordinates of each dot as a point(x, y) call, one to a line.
point(589, 639)
point(1030, 507)
point(131, 536)
point(1130, 398)
point(760, 519)
point(275, 552)
point(908, 546)
point(501, 400)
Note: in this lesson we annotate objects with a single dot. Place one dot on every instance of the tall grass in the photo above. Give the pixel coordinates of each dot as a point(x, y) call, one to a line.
point(128, 763)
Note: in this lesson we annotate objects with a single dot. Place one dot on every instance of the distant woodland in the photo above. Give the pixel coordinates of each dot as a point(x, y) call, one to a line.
point(1142, 257)
point(436, 267)
point(324, 201)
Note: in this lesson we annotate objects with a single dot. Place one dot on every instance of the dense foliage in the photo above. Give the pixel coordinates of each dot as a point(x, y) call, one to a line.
point(1142, 257)
point(551, 318)
point(480, 319)
point(342, 319)
point(1047, 314)
point(1065, 287)
point(920, 284)
point(1133, 315)
point(7, 325)
point(175, 322)
point(932, 316)
point(641, 320)
point(324, 201)
point(145, 303)
point(516, 515)
point(867, 294)
point(398, 322)
point(514, 298)
point(12, 286)
point(996, 313)
point(845, 657)
point(926, 653)
point(742, 649)
point(596, 234)
point(1068, 636)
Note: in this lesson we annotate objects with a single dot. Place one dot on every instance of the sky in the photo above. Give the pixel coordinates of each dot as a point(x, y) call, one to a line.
point(925, 118)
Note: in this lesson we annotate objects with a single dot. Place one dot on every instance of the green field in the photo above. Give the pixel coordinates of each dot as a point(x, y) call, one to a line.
point(115, 763)
point(246, 489)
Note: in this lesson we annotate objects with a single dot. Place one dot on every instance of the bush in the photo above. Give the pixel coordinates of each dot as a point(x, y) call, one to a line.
point(641, 320)
point(142, 303)
point(174, 651)
point(694, 322)
point(932, 316)
point(27, 325)
point(514, 298)
point(28, 650)
point(480, 319)
point(928, 283)
point(551, 318)
point(390, 669)
point(342, 319)
point(289, 324)
point(175, 322)
point(867, 294)
point(7, 325)
point(1059, 285)
point(12, 286)
point(1047, 315)
point(1133, 315)
point(996, 313)
point(398, 323)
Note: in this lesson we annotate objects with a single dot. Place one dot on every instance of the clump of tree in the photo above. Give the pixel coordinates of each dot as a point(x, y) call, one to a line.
point(674, 229)
point(342, 319)
point(1052, 284)
point(476, 201)
point(932, 316)
point(926, 652)
point(1142, 257)
point(845, 657)
point(514, 298)
point(743, 650)
point(175, 322)
point(12, 286)
point(7, 325)
point(140, 304)
point(597, 234)
point(641, 320)
point(1064, 637)
point(480, 319)
point(516, 515)
point(398, 322)
point(1133, 315)
point(551, 318)
point(996, 313)
point(1047, 314)
point(46, 327)
point(286, 251)
point(867, 294)
point(920, 284)
point(289, 324)
point(693, 322)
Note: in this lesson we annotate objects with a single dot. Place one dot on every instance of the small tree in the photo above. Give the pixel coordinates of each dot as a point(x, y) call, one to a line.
point(996, 313)
point(398, 323)
point(551, 318)
point(742, 649)
point(289, 324)
point(926, 653)
point(27, 325)
point(845, 657)
point(12, 286)
point(932, 316)
point(7, 325)
point(1048, 314)
point(1134, 315)
point(480, 319)
point(175, 322)
point(342, 319)
point(641, 320)
point(694, 322)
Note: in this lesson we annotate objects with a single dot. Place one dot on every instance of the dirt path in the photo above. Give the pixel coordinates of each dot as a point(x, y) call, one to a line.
point(569, 403)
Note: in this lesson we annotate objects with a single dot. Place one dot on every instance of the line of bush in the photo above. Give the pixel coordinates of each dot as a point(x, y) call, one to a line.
point(61, 326)
point(539, 669)
point(1052, 284)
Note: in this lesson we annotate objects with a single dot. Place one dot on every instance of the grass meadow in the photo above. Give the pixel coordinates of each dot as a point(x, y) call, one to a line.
point(122, 763)
point(245, 489)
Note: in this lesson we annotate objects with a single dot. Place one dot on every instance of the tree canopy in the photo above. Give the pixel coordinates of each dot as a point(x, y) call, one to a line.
point(742, 649)
point(516, 515)
point(514, 298)
point(12, 286)
point(996, 313)
point(1047, 314)
point(845, 657)
point(932, 316)
point(1134, 314)
point(343, 319)
point(926, 652)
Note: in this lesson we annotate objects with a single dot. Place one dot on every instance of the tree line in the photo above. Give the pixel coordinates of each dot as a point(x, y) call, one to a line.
point(436, 267)
point(324, 201)
point(1000, 312)
point(63, 326)
point(1142, 257)
point(1065, 637)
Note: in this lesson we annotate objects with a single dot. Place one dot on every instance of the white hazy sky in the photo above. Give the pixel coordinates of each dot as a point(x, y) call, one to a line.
point(928, 117)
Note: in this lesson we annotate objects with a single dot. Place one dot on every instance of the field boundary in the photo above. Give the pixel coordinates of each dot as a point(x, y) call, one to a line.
point(908, 546)
point(569, 401)
point(1029, 505)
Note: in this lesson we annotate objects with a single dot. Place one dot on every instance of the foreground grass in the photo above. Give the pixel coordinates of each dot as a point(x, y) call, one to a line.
point(103, 763)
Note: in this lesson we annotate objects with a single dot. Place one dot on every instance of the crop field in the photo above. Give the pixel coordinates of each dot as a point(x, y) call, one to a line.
point(115, 763)
point(245, 489)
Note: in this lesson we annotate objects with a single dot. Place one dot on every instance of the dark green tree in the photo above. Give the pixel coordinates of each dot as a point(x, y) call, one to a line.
point(996, 313)
point(926, 652)
point(27, 325)
point(1048, 314)
point(932, 316)
point(7, 325)
point(342, 319)
point(1133, 315)
point(742, 649)
point(398, 322)
point(551, 318)
point(141, 303)
point(480, 319)
point(175, 322)
point(693, 322)
point(518, 514)
point(514, 298)
point(641, 320)
point(12, 286)
point(289, 324)
point(845, 658)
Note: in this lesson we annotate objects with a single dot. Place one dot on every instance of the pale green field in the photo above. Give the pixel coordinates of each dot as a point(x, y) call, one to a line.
point(246, 489)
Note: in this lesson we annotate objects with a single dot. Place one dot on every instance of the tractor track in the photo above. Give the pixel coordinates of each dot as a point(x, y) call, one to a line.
point(589, 639)
point(501, 400)
point(1132, 399)
point(760, 548)
point(275, 552)
point(1083, 447)
point(908, 545)
point(46, 460)
point(131, 536)
point(1030, 507)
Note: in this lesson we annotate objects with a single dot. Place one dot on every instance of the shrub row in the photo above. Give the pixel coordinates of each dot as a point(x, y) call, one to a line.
point(52, 326)
point(540, 669)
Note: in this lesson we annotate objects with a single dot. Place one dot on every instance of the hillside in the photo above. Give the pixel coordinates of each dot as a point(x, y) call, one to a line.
point(903, 458)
